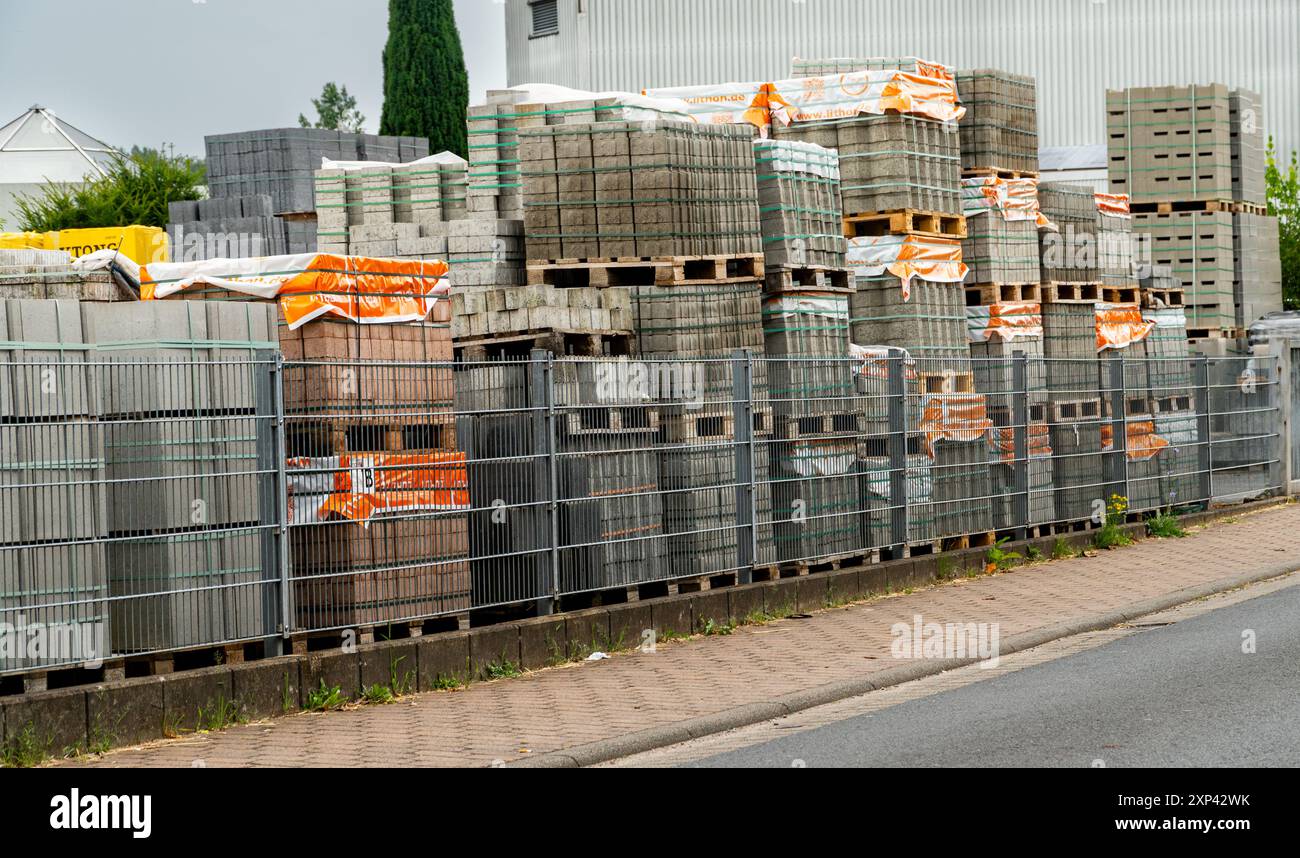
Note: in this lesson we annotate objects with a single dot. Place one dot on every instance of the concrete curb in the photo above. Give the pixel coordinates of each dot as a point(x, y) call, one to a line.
point(755, 713)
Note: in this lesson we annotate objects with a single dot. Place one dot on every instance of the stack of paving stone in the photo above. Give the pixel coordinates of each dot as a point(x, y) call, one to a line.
point(280, 162)
point(1249, 147)
point(1001, 244)
point(998, 333)
point(801, 216)
point(610, 513)
point(498, 311)
point(184, 445)
point(657, 188)
point(1069, 253)
point(1000, 129)
point(233, 228)
point(1074, 406)
point(891, 162)
point(375, 207)
point(1116, 253)
point(28, 273)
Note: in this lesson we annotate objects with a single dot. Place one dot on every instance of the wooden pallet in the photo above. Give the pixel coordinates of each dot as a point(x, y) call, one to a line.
point(316, 438)
point(576, 343)
point(1001, 173)
point(817, 565)
point(1176, 207)
point(703, 583)
point(1075, 411)
point(809, 279)
point(1172, 404)
point(905, 222)
point(1121, 294)
point(985, 539)
point(645, 271)
point(811, 426)
point(611, 420)
point(1071, 293)
point(946, 382)
point(986, 294)
point(302, 643)
point(1194, 334)
point(1153, 299)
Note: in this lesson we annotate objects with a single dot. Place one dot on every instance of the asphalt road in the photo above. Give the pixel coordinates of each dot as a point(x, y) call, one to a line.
point(1178, 695)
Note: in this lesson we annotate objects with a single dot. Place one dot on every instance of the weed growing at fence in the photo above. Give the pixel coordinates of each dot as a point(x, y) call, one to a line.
point(1112, 534)
point(25, 750)
point(1062, 550)
point(400, 684)
point(1000, 560)
point(447, 683)
point(325, 698)
point(220, 715)
point(1033, 555)
point(1165, 525)
point(377, 695)
point(712, 628)
point(503, 668)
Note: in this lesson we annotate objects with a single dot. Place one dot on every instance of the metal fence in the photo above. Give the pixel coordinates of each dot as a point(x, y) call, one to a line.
point(152, 507)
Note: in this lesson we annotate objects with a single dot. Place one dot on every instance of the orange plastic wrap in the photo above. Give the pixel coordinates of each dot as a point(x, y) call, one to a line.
point(308, 286)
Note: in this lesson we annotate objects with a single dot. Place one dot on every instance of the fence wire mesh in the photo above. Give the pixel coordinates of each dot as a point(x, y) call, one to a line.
point(152, 507)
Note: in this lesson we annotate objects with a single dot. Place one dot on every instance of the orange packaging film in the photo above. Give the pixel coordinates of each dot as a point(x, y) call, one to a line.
point(359, 487)
point(310, 286)
point(1008, 321)
point(1121, 325)
point(937, 260)
point(1037, 436)
point(1143, 442)
point(953, 417)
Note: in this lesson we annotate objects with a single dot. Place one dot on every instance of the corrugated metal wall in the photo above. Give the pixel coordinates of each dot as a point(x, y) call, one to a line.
point(1076, 48)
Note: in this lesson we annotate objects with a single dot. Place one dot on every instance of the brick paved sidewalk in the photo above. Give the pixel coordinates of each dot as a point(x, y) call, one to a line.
point(560, 708)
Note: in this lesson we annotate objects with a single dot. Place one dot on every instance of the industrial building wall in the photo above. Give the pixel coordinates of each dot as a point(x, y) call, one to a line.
point(1076, 48)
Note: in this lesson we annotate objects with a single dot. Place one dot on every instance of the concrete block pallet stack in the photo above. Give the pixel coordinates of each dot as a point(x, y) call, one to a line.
point(999, 133)
point(1074, 405)
point(232, 227)
point(390, 210)
point(281, 163)
point(1192, 161)
point(1068, 249)
point(53, 568)
point(664, 212)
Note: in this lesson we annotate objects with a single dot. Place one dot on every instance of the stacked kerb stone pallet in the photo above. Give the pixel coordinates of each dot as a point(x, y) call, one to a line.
point(53, 567)
point(184, 444)
point(819, 511)
point(281, 163)
point(1170, 377)
point(1192, 161)
point(1000, 130)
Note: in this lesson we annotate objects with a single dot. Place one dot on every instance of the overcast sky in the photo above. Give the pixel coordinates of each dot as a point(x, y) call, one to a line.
point(144, 72)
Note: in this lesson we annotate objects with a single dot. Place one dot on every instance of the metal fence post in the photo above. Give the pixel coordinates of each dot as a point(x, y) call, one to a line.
point(541, 371)
point(1204, 451)
point(1285, 402)
point(742, 397)
point(897, 445)
point(282, 497)
point(1117, 465)
point(1020, 444)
